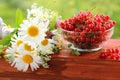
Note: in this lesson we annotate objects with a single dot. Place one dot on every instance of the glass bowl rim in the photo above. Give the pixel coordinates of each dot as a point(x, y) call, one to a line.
point(86, 32)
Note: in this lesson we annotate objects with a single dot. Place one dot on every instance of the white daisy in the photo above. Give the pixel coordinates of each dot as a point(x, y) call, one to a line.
point(17, 40)
point(33, 31)
point(46, 46)
point(25, 60)
point(10, 53)
point(41, 13)
point(27, 47)
point(38, 13)
point(45, 14)
point(13, 52)
point(33, 13)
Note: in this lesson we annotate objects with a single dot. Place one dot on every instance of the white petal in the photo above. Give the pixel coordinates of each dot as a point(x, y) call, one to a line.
point(26, 67)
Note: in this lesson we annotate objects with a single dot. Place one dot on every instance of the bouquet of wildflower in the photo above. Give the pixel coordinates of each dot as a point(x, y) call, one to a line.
point(30, 44)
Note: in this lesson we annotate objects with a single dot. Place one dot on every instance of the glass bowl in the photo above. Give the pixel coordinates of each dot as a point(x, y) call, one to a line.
point(90, 41)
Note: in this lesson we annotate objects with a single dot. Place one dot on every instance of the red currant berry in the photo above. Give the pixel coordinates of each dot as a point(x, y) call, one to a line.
point(75, 18)
point(103, 55)
point(98, 28)
point(82, 34)
point(117, 57)
point(111, 56)
point(75, 39)
point(87, 29)
point(103, 29)
point(70, 20)
point(117, 50)
point(87, 39)
point(82, 39)
point(78, 40)
point(89, 14)
point(98, 19)
point(88, 22)
point(112, 23)
point(71, 28)
point(90, 26)
point(77, 30)
point(62, 24)
point(107, 17)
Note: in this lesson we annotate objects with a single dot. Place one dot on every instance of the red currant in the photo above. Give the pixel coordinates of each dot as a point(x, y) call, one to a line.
point(107, 17)
point(103, 55)
point(75, 18)
point(78, 40)
point(70, 21)
point(82, 34)
point(90, 26)
point(103, 29)
point(71, 28)
point(117, 50)
point(77, 30)
point(89, 29)
point(62, 24)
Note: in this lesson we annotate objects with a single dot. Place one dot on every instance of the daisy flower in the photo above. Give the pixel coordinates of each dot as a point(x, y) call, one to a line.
point(17, 40)
point(26, 60)
point(11, 53)
point(33, 31)
point(41, 13)
point(27, 46)
point(38, 13)
point(46, 46)
point(33, 13)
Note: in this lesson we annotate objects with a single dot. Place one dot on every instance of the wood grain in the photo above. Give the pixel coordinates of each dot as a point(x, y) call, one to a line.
point(65, 66)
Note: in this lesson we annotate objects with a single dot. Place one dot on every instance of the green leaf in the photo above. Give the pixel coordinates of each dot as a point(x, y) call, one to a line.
point(15, 31)
point(19, 18)
point(75, 52)
point(56, 50)
point(52, 23)
point(6, 40)
point(69, 45)
point(1, 48)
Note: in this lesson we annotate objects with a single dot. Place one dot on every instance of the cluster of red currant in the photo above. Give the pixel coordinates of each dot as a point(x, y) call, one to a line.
point(87, 31)
point(87, 22)
point(110, 54)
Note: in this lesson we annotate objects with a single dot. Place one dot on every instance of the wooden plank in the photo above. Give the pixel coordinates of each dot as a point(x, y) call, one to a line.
point(65, 66)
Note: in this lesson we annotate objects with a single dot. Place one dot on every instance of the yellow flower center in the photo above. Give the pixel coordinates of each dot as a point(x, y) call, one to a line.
point(8, 26)
point(33, 31)
point(16, 52)
point(44, 42)
point(32, 15)
point(28, 47)
point(19, 42)
point(27, 59)
point(44, 17)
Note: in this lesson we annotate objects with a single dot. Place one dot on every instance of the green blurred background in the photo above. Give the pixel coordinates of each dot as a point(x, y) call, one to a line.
point(65, 8)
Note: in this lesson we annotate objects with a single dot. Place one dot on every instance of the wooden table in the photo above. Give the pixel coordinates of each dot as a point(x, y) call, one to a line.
point(65, 66)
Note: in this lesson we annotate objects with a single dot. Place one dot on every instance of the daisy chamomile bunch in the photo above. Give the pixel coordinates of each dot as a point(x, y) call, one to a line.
point(32, 44)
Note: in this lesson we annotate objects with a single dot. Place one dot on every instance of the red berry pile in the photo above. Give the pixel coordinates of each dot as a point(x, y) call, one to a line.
point(87, 31)
point(87, 22)
point(110, 54)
